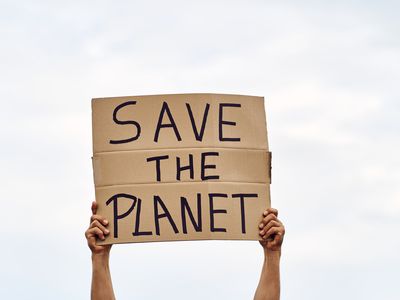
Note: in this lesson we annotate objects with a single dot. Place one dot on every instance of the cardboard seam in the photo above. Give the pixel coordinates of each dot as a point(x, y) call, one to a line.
point(184, 182)
point(183, 148)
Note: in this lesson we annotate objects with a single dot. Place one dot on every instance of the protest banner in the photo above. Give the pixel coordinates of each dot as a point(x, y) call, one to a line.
point(181, 167)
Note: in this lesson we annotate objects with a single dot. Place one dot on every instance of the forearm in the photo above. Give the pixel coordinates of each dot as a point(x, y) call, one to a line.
point(269, 284)
point(101, 278)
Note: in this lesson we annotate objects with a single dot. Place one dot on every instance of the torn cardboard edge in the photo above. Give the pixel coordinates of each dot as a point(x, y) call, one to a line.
point(179, 94)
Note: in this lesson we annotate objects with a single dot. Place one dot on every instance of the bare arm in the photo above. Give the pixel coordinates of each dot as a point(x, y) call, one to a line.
point(101, 277)
point(272, 232)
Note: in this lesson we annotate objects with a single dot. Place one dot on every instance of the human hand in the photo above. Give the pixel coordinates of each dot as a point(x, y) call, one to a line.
point(272, 230)
point(97, 230)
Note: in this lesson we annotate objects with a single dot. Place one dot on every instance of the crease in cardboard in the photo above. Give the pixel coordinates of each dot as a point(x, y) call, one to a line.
point(180, 148)
point(177, 183)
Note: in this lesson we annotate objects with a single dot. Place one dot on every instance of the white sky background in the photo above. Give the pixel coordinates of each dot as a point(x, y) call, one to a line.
point(330, 73)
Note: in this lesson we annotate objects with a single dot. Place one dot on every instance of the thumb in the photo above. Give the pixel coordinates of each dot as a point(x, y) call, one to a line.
point(94, 207)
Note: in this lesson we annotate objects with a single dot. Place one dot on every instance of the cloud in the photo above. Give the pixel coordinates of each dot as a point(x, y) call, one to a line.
point(329, 73)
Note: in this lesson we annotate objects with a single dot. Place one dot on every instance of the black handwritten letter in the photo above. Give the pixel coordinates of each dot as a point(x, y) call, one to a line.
point(114, 200)
point(137, 231)
point(180, 168)
point(204, 166)
point(185, 207)
point(165, 109)
point(166, 214)
point(158, 168)
point(216, 211)
point(242, 210)
point(119, 122)
point(198, 136)
point(223, 122)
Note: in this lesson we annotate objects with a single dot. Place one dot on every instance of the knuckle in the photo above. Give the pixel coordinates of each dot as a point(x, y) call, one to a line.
point(97, 217)
point(96, 223)
point(269, 218)
point(273, 211)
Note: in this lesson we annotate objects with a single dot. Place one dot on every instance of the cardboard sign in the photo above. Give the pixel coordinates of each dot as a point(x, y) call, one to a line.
point(181, 167)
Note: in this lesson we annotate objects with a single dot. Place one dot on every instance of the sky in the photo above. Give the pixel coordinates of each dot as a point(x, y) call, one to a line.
point(329, 72)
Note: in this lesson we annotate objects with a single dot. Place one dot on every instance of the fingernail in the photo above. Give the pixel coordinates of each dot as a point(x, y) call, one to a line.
point(261, 225)
point(107, 231)
point(105, 222)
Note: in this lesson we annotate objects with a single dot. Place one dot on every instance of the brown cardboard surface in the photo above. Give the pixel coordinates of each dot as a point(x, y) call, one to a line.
point(146, 110)
point(170, 193)
point(142, 149)
point(230, 165)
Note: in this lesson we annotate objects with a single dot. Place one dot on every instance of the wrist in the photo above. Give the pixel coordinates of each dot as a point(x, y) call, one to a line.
point(272, 255)
point(102, 257)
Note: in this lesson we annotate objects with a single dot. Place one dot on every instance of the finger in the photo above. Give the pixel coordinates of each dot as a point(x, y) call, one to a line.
point(94, 232)
point(103, 220)
point(272, 232)
point(278, 238)
point(94, 207)
point(96, 223)
point(267, 219)
point(275, 243)
point(271, 211)
point(269, 225)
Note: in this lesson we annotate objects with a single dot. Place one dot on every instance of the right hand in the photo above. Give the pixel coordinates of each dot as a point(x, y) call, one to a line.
point(272, 230)
point(97, 230)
